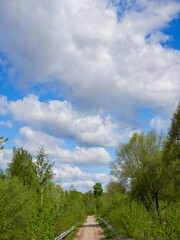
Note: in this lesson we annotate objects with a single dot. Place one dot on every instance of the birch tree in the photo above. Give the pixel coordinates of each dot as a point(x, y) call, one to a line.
point(44, 173)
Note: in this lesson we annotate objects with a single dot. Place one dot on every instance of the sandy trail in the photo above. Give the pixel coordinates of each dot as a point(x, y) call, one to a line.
point(90, 230)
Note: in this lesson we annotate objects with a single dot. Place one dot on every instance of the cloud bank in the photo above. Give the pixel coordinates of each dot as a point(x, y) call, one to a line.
point(59, 119)
point(80, 156)
point(103, 55)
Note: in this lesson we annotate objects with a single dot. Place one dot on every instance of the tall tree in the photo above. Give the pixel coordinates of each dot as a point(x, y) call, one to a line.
point(139, 165)
point(17, 210)
point(22, 167)
point(44, 173)
point(89, 201)
point(98, 190)
point(172, 152)
point(115, 187)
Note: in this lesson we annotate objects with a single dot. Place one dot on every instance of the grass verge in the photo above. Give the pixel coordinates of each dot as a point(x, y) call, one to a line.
point(109, 235)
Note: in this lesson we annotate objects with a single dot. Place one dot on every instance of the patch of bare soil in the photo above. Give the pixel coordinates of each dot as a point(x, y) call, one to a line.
point(90, 230)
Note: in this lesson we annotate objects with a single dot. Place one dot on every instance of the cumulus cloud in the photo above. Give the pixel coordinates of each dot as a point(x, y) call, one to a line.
point(5, 158)
point(85, 185)
point(67, 172)
point(104, 63)
point(81, 156)
point(58, 118)
point(82, 181)
point(102, 177)
point(103, 56)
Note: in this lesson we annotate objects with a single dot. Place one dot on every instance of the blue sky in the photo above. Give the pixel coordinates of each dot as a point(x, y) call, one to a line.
point(80, 77)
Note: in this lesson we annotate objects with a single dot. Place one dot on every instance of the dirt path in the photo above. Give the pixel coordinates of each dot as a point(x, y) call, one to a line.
point(90, 230)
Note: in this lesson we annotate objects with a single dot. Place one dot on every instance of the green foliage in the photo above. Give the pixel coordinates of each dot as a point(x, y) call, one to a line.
point(174, 131)
point(2, 175)
point(44, 174)
point(22, 167)
point(89, 202)
point(148, 167)
point(172, 153)
point(17, 209)
point(43, 168)
point(115, 187)
point(31, 205)
point(108, 234)
point(98, 190)
point(2, 141)
point(142, 204)
point(140, 167)
point(129, 218)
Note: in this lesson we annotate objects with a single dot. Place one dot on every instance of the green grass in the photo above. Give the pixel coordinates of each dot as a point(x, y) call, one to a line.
point(109, 235)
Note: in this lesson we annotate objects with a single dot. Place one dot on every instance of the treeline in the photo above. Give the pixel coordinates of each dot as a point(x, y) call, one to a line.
point(31, 205)
point(144, 201)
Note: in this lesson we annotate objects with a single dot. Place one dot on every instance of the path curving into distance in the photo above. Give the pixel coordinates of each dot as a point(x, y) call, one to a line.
point(90, 230)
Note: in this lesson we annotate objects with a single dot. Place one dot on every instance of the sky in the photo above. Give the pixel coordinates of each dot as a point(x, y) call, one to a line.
point(81, 76)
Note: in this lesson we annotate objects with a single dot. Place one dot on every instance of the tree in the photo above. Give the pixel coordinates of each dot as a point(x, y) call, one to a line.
point(139, 166)
point(172, 152)
point(115, 187)
point(89, 201)
point(22, 167)
point(2, 175)
point(174, 131)
point(17, 210)
point(44, 173)
point(43, 168)
point(98, 190)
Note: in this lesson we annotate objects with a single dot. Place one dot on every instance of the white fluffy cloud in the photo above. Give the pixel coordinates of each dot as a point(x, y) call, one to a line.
point(82, 184)
point(66, 172)
point(5, 158)
point(104, 62)
point(81, 156)
point(58, 118)
point(102, 177)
